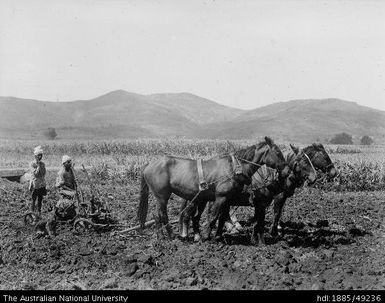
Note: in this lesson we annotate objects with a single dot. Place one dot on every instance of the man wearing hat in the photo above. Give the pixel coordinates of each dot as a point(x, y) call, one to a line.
point(66, 178)
point(37, 183)
point(66, 183)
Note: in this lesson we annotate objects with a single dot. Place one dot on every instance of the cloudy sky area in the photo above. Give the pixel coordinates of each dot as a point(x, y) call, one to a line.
point(244, 54)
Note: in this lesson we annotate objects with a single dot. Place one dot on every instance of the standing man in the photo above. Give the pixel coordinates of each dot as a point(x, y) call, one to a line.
point(37, 183)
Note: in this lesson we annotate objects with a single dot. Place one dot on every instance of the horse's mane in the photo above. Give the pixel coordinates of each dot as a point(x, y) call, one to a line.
point(312, 149)
point(248, 152)
point(291, 155)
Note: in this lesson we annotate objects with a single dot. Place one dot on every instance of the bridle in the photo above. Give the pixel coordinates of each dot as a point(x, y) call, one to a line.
point(325, 168)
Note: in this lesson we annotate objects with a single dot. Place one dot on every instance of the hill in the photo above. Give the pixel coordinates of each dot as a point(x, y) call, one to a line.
point(304, 121)
point(118, 114)
point(121, 114)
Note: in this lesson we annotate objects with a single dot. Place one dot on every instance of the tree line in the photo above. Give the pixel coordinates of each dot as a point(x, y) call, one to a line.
point(346, 139)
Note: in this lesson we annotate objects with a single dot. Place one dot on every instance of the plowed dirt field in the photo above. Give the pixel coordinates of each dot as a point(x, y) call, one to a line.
point(328, 240)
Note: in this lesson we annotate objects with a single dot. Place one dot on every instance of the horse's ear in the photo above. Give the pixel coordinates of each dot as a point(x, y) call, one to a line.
point(294, 149)
point(269, 141)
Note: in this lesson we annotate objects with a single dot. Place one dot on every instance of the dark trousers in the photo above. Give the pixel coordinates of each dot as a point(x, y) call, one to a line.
point(38, 194)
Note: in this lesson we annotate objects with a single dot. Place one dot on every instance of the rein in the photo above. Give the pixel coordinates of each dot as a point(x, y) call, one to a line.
point(311, 163)
point(251, 162)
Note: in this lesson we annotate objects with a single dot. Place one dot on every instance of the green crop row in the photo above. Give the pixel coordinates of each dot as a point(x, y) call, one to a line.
point(361, 168)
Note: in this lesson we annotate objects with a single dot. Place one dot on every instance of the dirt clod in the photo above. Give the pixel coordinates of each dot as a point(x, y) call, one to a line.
point(131, 268)
point(109, 283)
point(191, 281)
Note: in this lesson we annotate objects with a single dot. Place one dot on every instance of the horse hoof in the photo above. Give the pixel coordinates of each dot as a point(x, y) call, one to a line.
point(183, 235)
point(197, 237)
point(254, 241)
point(261, 239)
point(183, 238)
point(258, 244)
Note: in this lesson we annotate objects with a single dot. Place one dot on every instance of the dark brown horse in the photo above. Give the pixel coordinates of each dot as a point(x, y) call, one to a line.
point(303, 171)
point(321, 161)
point(265, 185)
point(171, 175)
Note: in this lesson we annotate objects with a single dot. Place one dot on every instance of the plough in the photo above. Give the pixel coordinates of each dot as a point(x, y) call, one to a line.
point(85, 215)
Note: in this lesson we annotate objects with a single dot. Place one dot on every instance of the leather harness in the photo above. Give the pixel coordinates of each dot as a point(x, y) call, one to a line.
point(203, 185)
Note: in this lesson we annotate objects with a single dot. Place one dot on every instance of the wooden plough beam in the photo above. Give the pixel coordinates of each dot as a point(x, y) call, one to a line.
point(138, 227)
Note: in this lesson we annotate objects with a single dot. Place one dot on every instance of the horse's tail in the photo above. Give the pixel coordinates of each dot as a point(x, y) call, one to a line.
point(143, 199)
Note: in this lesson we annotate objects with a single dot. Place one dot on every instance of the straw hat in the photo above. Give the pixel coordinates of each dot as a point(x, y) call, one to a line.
point(65, 159)
point(38, 150)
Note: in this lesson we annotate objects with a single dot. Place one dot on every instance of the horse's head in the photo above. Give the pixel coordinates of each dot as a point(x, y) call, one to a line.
point(274, 158)
point(320, 159)
point(302, 166)
point(289, 184)
point(265, 152)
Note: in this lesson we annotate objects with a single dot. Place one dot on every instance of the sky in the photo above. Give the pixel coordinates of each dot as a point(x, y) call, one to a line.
point(239, 53)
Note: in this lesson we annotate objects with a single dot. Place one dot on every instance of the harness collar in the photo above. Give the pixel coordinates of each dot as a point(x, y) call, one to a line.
point(236, 165)
point(203, 185)
point(263, 172)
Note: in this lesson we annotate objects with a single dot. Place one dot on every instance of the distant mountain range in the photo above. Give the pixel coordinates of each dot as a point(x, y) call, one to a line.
point(120, 114)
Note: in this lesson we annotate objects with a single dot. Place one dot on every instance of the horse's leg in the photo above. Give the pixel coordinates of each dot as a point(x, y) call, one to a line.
point(217, 212)
point(209, 211)
point(211, 221)
point(158, 228)
point(229, 222)
point(188, 209)
point(162, 212)
point(258, 228)
point(223, 215)
point(196, 219)
point(253, 219)
point(279, 202)
point(183, 220)
point(256, 198)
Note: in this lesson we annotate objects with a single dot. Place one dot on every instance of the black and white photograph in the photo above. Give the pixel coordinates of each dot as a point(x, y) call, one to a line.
point(192, 145)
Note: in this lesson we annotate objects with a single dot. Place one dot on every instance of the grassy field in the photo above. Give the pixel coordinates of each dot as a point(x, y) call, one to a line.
point(360, 167)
